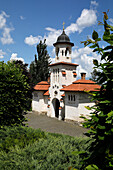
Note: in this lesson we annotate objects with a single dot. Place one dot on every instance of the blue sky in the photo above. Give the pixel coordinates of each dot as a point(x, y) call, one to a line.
point(23, 23)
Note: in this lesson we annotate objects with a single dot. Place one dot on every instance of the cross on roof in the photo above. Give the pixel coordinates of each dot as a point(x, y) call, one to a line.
point(63, 25)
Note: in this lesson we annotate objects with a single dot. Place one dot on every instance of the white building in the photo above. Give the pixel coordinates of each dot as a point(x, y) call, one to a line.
point(63, 97)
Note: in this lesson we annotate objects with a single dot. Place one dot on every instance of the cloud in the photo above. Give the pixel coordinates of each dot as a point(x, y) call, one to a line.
point(84, 57)
point(14, 57)
point(6, 37)
point(86, 19)
point(111, 20)
point(2, 53)
point(94, 3)
point(22, 18)
point(32, 40)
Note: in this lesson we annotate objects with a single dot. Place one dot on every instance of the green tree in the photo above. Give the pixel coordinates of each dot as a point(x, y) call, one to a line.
point(94, 75)
point(14, 94)
point(24, 68)
point(101, 119)
point(39, 68)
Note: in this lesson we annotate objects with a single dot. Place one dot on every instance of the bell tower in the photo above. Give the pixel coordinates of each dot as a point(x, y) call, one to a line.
point(63, 48)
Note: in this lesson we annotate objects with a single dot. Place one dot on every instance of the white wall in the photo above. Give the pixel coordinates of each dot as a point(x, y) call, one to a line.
point(39, 102)
point(74, 109)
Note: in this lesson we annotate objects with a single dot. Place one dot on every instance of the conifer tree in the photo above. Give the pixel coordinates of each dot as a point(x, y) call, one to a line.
point(39, 68)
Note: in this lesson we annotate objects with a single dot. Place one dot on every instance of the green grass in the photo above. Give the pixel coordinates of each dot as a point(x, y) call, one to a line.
point(28, 149)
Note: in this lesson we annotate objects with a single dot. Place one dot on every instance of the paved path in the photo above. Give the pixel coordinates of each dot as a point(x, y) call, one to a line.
point(54, 125)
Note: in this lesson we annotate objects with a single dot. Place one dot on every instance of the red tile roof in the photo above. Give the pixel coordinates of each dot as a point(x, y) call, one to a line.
point(43, 83)
point(42, 86)
point(63, 95)
point(64, 63)
point(46, 93)
point(82, 85)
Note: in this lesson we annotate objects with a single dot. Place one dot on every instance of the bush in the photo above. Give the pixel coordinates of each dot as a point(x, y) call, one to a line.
point(14, 95)
point(48, 151)
point(18, 136)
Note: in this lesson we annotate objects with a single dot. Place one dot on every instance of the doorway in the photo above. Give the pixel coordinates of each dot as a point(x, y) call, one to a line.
point(56, 105)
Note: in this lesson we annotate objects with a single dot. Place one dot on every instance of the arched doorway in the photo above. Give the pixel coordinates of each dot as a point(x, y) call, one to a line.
point(56, 105)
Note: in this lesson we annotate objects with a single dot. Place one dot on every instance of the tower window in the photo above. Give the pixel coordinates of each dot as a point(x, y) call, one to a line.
point(62, 52)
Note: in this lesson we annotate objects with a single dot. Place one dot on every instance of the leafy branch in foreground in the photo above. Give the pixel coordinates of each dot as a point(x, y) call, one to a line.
point(101, 119)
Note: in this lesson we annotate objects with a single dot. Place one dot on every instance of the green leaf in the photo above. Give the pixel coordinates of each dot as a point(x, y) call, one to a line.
point(92, 167)
point(101, 127)
point(101, 137)
point(106, 101)
point(94, 35)
point(108, 47)
point(95, 62)
point(110, 114)
point(87, 107)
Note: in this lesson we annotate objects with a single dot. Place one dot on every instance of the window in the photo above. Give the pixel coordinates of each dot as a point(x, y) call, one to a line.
point(62, 52)
point(71, 98)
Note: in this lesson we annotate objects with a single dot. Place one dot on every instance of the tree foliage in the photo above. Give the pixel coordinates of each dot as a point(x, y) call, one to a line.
point(39, 68)
point(101, 119)
point(14, 94)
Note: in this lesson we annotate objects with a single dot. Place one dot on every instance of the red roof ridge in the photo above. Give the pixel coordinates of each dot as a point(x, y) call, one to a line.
point(81, 81)
point(43, 83)
point(65, 63)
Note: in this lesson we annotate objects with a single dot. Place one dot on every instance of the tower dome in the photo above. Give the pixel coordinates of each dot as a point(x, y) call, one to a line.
point(63, 38)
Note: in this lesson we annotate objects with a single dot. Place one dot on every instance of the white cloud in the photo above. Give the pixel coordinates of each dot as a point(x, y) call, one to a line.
point(32, 40)
point(84, 57)
point(6, 37)
point(87, 19)
point(3, 17)
point(14, 57)
point(111, 20)
point(2, 53)
point(51, 37)
point(22, 18)
point(94, 3)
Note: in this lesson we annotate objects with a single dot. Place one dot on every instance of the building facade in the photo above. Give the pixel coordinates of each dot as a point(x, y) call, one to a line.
point(63, 96)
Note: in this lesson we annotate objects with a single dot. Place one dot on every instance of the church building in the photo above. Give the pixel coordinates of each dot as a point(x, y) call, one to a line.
point(62, 96)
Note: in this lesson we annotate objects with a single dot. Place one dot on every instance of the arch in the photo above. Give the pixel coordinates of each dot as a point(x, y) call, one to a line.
point(56, 105)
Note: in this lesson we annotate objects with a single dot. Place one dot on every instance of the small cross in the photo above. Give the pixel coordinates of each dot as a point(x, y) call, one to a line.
point(63, 25)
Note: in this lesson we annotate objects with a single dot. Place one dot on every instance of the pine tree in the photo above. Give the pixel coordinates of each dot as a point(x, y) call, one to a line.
point(39, 68)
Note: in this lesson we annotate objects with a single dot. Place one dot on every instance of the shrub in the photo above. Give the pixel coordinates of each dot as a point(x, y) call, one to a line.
point(18, 136)
point(14, 95)
point(51, 152)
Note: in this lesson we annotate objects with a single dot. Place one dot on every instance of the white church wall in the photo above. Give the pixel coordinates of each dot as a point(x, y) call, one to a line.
point(75, 106)
point(39, 102)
